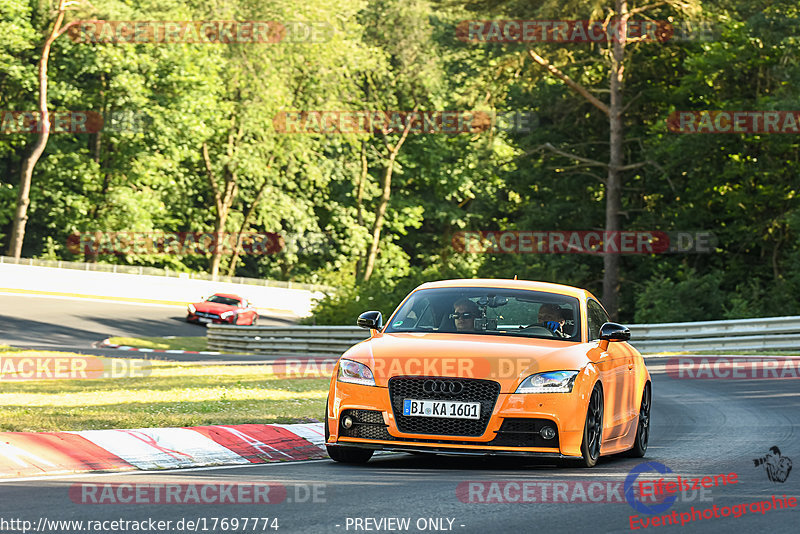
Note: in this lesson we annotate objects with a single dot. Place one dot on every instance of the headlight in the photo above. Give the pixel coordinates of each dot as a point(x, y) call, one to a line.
point(191, 309)
point(225, 315)
point(355, 373)
point(550, 382)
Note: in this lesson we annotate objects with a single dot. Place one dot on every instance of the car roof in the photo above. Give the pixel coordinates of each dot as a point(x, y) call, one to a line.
point(509, 284)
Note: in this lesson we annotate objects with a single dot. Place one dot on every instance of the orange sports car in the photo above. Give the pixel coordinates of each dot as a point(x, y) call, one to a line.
point(491, 367)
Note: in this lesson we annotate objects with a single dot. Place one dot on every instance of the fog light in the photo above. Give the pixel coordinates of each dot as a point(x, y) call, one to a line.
point(547, 432)
point(347, 422)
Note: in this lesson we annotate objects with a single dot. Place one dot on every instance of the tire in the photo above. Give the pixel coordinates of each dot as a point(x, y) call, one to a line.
point(342, 454)
point(254, 321)
point(643, 428)
point(593, 429)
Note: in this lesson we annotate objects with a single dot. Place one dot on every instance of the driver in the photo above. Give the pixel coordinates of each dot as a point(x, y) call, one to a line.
point(552, 318)
point(465, 312)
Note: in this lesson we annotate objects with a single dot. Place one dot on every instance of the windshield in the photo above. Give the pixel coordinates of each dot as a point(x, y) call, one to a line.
point(493, 311)
point(223, 300)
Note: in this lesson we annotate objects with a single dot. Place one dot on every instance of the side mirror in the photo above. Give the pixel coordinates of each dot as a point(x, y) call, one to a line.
point(614, 332)
point(370, 319)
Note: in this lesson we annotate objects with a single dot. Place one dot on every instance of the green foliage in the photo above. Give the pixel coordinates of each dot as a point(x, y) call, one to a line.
point(686, 297)
point(347, 303)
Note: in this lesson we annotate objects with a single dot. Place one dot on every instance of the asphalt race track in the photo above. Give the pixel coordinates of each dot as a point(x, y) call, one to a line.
point(700, 428)
point(75, 324)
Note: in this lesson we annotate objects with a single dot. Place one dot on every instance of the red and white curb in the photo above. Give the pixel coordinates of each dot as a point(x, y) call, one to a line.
point(106, 344)
point(48, 453)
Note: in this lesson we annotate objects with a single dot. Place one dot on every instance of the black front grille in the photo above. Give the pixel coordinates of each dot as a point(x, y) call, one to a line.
point(517, 432)
point(368, 424)
point(470, 390)
point(206, 314)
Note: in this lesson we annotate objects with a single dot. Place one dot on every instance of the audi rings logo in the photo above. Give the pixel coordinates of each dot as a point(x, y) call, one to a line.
point(442, 386)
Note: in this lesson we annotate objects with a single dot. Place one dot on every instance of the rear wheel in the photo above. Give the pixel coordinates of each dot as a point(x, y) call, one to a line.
point(593, 429)
point(643, 429)
point(344, 454)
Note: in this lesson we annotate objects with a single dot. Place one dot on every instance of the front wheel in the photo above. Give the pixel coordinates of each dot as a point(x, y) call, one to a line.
point(593, 429)
point(343, 454)
point(643, 429)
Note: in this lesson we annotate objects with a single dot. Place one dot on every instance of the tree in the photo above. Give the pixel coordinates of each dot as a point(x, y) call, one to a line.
point(28, 164)
point(617, 63)
point(409, 73)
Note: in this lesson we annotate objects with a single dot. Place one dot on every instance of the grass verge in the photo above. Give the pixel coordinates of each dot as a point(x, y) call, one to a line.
point(199, 343)
point(171, 394)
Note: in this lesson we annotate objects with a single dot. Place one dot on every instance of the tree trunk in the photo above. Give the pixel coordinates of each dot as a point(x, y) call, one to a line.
point(246, 221)
point(222, 201)
point(614, 180)
point(384, 201)
point(362, 179)
point(26, 175)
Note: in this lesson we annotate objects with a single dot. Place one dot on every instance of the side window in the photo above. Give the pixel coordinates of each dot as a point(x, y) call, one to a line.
point(596, 316)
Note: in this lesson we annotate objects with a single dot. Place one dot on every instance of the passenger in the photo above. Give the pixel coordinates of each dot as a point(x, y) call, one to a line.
point(465, 312)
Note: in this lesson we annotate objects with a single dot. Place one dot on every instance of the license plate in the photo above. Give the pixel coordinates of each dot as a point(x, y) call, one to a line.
point(204, 319)
point(437, 408)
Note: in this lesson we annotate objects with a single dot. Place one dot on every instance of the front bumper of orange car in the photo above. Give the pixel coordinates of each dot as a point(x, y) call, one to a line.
point(511, 425)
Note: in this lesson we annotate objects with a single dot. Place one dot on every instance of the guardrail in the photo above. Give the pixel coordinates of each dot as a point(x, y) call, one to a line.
point(764, 333)
point(318, 341)
point(769, 333)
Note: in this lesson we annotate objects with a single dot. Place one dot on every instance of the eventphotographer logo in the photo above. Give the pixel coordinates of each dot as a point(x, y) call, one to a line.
point(777, 466)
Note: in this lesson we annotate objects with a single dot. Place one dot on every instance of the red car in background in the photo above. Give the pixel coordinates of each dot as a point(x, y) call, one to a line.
point(222, 308)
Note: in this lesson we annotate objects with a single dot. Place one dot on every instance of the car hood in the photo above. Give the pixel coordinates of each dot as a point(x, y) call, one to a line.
point(213, 307)
point(507, 360)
